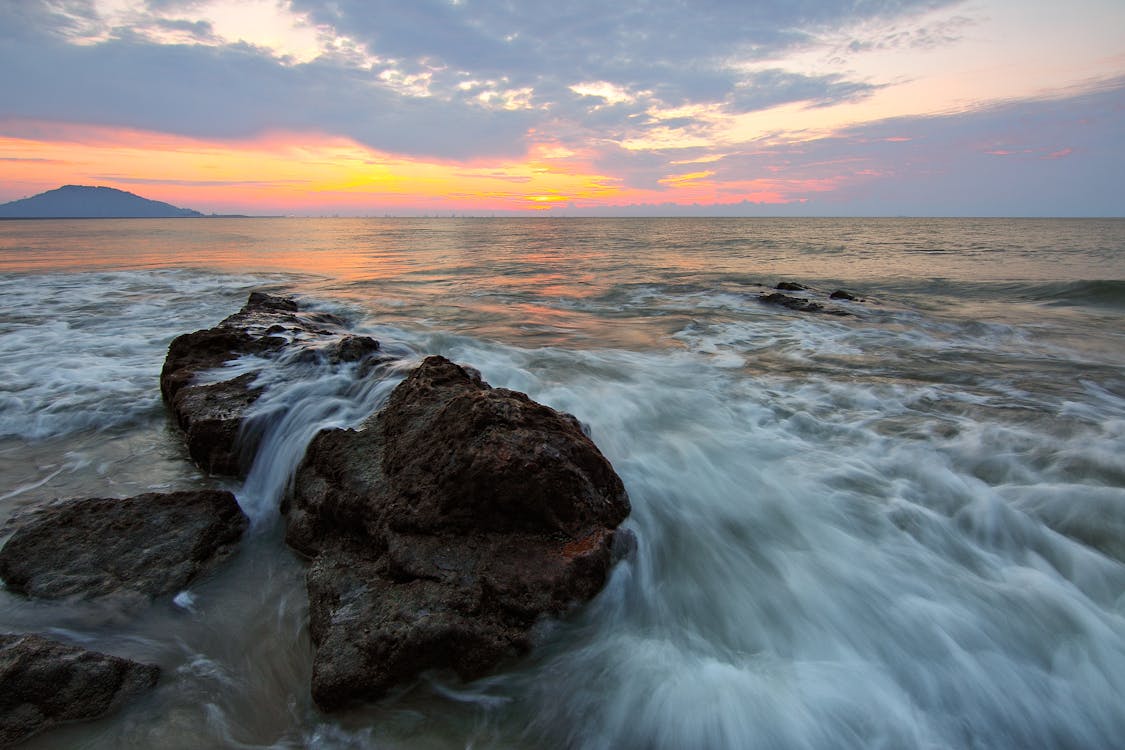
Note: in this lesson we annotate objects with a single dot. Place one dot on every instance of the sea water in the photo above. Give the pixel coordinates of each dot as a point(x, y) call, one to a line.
point(903, 527)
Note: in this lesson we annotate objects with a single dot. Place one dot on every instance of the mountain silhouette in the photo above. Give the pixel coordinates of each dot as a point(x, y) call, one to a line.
point(87, 202)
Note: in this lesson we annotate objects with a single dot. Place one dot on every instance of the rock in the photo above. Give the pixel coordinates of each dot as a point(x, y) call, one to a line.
point(845, 295)
point(791, 286)
point(212, 414)
point(44, 683)
point(211, 417)
point(150, 545)
point(799, 304)
point(449, 524)
point(793, 303)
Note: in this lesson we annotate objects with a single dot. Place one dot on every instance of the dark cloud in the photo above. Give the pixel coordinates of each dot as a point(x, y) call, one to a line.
point(679, 51)
point(769, 88)
point(235, 91)
point(667, 54)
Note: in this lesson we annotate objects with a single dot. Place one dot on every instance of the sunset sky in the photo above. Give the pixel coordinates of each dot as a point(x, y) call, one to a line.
point(759, 107)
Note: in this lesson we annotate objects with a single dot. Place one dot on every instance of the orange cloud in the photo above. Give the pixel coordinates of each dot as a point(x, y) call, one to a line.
point(288, 172)
point(311, 173)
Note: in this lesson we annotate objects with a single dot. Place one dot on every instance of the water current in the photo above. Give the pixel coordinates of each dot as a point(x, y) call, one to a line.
point(903, 527)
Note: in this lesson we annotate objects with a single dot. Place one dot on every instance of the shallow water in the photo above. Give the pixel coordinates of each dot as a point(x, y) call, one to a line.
point(900, 528)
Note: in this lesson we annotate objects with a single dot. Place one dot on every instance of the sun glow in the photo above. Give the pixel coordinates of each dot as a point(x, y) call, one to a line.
point(292, 173)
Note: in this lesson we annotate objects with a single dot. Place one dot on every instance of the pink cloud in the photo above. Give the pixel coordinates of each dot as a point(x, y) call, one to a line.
point(1060, 154)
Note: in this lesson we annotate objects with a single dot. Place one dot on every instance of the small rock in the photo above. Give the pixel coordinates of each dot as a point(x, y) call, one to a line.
point(793, 303)
point(842, 294)
point(791, 286)
point(150, 544)
point(44, 683)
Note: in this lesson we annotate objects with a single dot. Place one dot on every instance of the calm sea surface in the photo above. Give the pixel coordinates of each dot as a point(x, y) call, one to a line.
point(899, 528)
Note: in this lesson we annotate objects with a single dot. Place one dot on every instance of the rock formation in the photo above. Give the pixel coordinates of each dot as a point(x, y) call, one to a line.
point(212, 413)
point(44, 683)
point(150, 545)
point(802, 304)
point(443, 529)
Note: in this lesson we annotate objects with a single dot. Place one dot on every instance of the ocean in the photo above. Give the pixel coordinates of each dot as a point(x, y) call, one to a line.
point(900, 526)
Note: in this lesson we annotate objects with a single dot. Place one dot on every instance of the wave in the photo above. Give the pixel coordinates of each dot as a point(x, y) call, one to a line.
point(1109, 293)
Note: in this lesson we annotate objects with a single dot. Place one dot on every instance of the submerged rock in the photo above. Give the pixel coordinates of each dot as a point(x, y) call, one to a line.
point(443, 529)
point(793, 303)
point(44, 683)
point(800, 304)
point(791, 286)
point(149, 544)
point(212, 414)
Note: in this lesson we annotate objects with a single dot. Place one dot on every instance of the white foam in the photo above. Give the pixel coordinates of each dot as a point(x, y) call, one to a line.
point(820, 564)
point(84, 351)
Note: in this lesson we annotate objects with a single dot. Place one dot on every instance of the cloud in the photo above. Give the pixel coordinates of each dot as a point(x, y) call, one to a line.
point(432, 78)
point(770, 88)
point(1064, 157)
point(234, 91)
point(717, 99)
point(130, 180)
point(678, 52)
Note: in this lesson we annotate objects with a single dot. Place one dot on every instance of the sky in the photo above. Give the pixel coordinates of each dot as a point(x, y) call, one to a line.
point(585, 107)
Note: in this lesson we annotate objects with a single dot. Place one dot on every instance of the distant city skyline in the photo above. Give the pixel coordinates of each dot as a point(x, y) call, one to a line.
point(372, 107)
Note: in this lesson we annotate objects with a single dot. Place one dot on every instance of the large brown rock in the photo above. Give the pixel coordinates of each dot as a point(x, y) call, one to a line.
point(150, 544)
point(212, 413)
point(44, 683)
point(444, 529)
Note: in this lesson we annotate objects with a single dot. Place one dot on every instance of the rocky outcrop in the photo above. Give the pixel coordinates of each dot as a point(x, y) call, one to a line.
point(212, 413)
point(443, 529)
point(147, 545)
point(44, 683)
point(793, 303)
point(803, 304)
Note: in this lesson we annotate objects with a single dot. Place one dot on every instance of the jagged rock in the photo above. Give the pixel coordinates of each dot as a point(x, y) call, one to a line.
point(443, 529)
point(150, 544)
point(212, 414)
point(44, 683)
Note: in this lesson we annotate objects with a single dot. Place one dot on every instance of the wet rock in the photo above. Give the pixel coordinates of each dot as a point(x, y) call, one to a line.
point(791, 286)
point(212, 413)
point(146, 545)
point(211, 417)
point(44, 683)
point(793, 303)
point(444, 529)
point(800, 304)
point(845, 295)
point(354, 348)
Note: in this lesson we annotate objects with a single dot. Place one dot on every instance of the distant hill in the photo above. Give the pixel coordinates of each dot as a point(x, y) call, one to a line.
point(86, 202)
